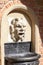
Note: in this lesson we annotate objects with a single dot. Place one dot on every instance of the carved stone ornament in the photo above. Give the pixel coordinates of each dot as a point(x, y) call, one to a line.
point(17, 29)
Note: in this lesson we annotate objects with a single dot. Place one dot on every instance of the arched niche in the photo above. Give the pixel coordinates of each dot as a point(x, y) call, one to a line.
point(32, 21)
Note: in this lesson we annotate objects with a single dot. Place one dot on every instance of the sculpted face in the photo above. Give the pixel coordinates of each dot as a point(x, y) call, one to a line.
point(18, 29)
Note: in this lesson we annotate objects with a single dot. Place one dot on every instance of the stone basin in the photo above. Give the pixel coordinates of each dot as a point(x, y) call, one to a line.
point(20, 54)
point(30, 56)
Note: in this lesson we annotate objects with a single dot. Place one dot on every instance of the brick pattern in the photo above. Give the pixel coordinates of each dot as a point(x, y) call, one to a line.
point(2, 3)
point(38, 9)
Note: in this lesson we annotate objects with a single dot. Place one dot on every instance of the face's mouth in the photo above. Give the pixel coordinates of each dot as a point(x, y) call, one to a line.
point(21, 33)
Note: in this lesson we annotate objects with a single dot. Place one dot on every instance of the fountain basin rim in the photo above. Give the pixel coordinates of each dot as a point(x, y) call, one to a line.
point(19, 59)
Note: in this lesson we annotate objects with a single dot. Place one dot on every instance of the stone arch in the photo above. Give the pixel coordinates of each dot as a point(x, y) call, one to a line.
point(34, 31)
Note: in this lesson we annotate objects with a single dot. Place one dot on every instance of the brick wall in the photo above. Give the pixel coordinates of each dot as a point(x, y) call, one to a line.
point(37, 7)
point(41, 32)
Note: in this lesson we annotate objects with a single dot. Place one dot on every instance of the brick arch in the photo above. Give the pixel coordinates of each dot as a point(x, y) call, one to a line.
point(34, 20)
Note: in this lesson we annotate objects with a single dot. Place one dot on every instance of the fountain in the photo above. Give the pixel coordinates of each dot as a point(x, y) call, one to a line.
point(19, 52)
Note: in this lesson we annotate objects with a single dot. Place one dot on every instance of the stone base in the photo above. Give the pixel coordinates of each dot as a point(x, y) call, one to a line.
point(24, 63)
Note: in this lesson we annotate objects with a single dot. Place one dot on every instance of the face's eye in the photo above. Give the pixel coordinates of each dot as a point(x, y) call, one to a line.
point(18, 26)
point(24, 26)
point(16, 19)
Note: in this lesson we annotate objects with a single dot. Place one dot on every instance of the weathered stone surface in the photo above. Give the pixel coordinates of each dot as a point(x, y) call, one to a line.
point(20, 47)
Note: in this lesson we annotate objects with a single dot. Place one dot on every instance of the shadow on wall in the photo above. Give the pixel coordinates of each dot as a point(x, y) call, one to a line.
point(41, 34)
point(31, 3)
point(26, 2)
point(41, 25)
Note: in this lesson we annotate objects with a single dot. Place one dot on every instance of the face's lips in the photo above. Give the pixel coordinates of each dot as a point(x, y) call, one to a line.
point(21, 33)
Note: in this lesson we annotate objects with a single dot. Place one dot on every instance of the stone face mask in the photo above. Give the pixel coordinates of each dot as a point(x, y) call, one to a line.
point(18, 29)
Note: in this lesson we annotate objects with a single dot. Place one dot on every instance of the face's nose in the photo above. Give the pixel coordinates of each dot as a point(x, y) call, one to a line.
point(22, 29)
